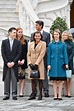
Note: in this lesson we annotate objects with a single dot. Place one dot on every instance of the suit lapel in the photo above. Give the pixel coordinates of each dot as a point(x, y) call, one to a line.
point(8, 44)
point(38, 45)
point(43, 35)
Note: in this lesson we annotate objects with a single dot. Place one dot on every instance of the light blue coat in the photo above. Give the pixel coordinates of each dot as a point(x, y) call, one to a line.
point(57, 56)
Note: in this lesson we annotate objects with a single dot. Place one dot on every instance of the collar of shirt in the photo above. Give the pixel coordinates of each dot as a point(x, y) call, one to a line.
point(11, 39)
point(56, 42)
point(41, 31)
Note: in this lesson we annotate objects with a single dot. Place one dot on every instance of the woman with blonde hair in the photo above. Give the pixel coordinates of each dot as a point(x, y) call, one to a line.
point(68, 39)
point(22, 63)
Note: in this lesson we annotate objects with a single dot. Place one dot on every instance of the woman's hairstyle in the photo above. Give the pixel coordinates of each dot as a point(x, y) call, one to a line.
point(37, 32)
point(22, 37)
point(58, 31)
point(68, 33)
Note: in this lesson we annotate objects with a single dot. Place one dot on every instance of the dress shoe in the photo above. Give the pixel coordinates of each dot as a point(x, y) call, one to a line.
point(55, 98)
point(32, 96)
point(6, 98)
point(32, 93)
point(21, 96)
point(69, 96)
point(39, 97)
point(14, 98)
point(66, 95)
point(46, 95)
point(59, 98)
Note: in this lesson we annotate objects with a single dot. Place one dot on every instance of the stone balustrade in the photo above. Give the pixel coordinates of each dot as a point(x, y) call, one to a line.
point(27, 16)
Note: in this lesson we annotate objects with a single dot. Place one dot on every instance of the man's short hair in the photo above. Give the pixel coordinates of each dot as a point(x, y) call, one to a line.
point(11, 29)
point(40, 22)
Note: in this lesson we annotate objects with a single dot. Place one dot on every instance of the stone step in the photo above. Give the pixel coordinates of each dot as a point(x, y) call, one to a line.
point(7, 5)
point(6, 22)
point(7, 10)
point(3, 19)
point(8, 1)
point(9, 17)
point(9, 14)
point(6, 27)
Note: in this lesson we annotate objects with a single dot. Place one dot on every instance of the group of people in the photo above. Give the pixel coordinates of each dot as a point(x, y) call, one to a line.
point(53, 57)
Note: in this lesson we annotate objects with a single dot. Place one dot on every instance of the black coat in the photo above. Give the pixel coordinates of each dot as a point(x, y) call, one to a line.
point(24, 54)
point(10, 56)
point(70, 52)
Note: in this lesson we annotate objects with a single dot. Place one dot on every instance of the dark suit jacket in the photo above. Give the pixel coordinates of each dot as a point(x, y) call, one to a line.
point(70, 52)
point(10, 56)
point(46, 38)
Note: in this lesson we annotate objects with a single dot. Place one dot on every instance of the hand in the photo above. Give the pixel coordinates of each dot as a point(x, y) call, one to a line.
point(49, 67)
point(36, 67)
point(66, 66)
point(19, 62)
point(12, 64)
point(9, 64)
point(22, 62)
point(31, 66)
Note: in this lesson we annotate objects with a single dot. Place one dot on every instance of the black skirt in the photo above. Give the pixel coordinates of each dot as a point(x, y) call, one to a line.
point(58, 78)
point(21, 77)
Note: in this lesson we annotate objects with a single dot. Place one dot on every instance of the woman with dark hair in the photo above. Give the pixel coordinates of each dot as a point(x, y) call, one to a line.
point(36, 53)
point(68, 39)
point(57, 56)
point(22, 63)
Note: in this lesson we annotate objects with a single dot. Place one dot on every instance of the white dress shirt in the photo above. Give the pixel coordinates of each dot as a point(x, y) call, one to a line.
point(11, 43)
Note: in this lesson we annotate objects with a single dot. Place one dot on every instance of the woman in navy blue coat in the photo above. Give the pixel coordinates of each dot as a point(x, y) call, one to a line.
point(68, 39)
point(57, 56)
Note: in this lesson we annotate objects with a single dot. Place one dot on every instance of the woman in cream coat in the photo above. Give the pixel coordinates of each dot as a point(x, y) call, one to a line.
point(36, 53)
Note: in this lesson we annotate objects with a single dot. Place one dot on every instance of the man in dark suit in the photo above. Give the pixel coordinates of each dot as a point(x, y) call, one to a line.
point(11, 51)
point(46, 37)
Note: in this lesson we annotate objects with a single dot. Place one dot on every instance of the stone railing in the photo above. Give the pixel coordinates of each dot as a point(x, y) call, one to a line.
point(51, 9)
point(50, 5)
point(27, 16)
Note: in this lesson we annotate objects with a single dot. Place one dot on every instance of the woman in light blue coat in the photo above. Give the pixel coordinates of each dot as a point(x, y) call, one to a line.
point(57, 57)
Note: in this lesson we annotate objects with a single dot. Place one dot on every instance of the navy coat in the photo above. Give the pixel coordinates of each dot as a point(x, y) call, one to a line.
point(57, 56)
point(70, 52)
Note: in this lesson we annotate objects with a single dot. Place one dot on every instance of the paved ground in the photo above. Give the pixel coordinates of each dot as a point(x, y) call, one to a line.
point(47, 104)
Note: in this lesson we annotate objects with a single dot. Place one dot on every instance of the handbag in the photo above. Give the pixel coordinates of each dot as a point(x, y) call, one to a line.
point(21, 72)
point(35, 74)
point(69, 73)
point(48, 74)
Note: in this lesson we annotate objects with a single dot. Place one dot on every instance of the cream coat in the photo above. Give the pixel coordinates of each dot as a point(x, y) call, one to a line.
point(36, 55)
